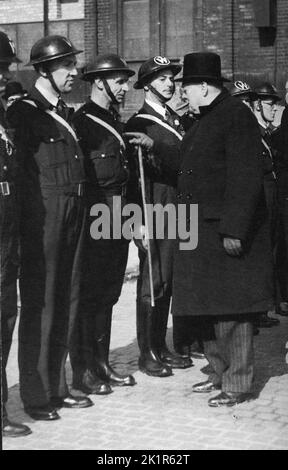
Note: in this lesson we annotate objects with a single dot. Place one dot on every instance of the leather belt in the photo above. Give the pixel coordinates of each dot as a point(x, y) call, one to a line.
point(76, 189)
point(5, 188)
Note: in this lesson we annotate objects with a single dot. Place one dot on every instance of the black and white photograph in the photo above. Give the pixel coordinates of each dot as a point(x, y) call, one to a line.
point(144, 227)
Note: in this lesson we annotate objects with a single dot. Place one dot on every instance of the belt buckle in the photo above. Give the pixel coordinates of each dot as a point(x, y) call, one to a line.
point(4, 188)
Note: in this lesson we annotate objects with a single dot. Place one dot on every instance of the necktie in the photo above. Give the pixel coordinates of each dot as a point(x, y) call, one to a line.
point(169, 118)
point(61, 108)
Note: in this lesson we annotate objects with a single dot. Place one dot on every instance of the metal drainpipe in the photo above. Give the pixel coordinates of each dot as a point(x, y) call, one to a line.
point(46, 17)
point(232, 39)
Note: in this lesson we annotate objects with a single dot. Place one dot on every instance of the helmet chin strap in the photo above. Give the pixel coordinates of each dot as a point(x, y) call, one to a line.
point(109, 92)
point(262, 112)
point(51, 80)
point(156, 93)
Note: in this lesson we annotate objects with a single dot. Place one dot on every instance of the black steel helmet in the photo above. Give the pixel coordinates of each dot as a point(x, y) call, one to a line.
point(242, 89)
point(50, 48)
point(7, 49)
point(106, 63)
point(266, 90)
point(151, 67)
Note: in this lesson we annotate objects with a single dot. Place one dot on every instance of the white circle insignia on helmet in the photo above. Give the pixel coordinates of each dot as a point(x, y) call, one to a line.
point(159, 60)
point(241, 85)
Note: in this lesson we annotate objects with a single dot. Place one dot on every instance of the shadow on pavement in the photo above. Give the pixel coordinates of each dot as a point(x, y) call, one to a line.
point(270, 354)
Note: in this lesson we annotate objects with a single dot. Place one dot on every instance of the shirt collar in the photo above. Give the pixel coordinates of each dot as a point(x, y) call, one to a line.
point(262, 127)
point(48, 95)
point(157, 107)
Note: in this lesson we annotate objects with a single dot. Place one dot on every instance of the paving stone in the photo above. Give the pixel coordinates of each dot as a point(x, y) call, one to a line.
point(164, 414)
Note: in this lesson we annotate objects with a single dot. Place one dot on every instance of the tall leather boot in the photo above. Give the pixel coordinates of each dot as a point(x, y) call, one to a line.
point(173, 360)
point(149, 361)
point(81, 354)
point(102, 367)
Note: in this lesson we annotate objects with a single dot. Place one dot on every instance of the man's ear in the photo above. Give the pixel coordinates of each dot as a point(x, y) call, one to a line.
point(42, 71)
point(98, 83)
point(204, 88)
point(258, 106)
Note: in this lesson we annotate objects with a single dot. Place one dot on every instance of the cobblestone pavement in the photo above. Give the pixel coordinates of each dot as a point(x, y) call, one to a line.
point(162, 414)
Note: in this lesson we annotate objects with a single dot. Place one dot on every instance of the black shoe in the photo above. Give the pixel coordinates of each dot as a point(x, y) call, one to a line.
point(229, 399)
point(108, 375)
point(43, 413)
point(175, 361)
point(71, 402)
point(91, 384)
point(154, 368)
point(11, 429)
point(187, 350)
point(118, 380)
point(205, 387)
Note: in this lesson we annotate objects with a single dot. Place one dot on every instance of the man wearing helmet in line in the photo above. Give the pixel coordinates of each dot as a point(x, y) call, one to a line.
point(52, 225)
point(264, 108)
point(262, 102)
point(156, 119)
point(244, 92)
point(280, 140)
point(100, 131)
point(8, 239)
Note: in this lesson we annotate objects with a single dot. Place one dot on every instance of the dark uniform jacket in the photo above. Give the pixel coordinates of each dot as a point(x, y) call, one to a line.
point(7, 161)
point(52, 225)
point(218, 169)
point(8, 247)
point(49, 155)
point(106, 165)
point(160, 186)
point(279, 140)
point(269, 180)
point(107, 172)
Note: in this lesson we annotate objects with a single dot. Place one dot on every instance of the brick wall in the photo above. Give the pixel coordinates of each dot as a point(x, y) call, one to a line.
point(213, 30)
point(107, 26)
point(252, 61)
point(27, 11)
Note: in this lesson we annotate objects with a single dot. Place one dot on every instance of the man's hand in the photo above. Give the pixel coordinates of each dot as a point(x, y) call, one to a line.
point(139, 138)
point(232, 246)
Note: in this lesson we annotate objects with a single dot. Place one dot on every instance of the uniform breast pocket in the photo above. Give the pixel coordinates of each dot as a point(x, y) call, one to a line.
point(105, 166)
point(53, 152)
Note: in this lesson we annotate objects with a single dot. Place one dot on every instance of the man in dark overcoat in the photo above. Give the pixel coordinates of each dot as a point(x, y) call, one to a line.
point(51, 229)
point(99, 129)
point(227, 278)
point(161, 123)
point(9, 238)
